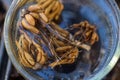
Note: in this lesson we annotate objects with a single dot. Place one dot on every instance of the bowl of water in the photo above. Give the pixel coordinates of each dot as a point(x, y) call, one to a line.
point(103, 55)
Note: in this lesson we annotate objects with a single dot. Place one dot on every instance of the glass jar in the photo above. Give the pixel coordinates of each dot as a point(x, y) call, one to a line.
point(102, 13)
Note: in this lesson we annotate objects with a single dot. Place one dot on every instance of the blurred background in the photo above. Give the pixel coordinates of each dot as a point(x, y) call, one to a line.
point(8, 72)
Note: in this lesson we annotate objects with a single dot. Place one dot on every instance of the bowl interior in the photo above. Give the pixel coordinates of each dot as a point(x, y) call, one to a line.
point(99, 13)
